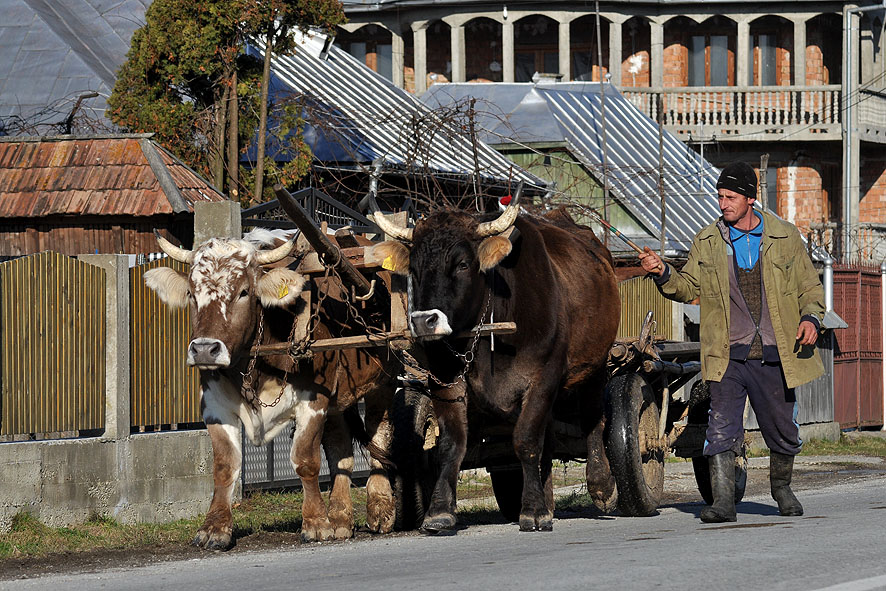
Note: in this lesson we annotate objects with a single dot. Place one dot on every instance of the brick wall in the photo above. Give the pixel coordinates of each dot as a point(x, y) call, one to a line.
point(801, 199)
point(872, 186)
point(635, 49)
point(823, 50)
point(676, 55)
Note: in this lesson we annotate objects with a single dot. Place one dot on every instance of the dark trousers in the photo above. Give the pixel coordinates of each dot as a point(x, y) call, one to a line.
point(774, 404)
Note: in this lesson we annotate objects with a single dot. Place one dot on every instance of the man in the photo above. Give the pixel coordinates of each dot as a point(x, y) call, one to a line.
point(761, 309)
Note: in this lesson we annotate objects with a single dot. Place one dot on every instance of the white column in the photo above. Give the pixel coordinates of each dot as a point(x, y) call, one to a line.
point(799, 57)
point(420, 56)
point(615, 53)
point(507, 51)
point(457, 52)
point(398, 50)
point(656, 36)
point(742, 51)
point(564, 52)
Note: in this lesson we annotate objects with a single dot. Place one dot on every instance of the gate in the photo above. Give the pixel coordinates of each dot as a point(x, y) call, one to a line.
point(52, 336)
point(165, 390)
point(858, 351)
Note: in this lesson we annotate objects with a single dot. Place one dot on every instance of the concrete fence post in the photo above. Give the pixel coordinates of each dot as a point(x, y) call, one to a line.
point(219, 219)
point(118, 411)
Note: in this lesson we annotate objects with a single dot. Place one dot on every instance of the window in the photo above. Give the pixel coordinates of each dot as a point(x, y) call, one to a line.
point(762, 60)
point(710, 58)
point(385, 64)
point(527, 63)
point(358, 50)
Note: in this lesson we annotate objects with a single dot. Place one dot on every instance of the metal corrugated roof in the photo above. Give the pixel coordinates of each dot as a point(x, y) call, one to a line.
point(55, 50)
point(571, 113)
point(364, 117)
point(41, 177)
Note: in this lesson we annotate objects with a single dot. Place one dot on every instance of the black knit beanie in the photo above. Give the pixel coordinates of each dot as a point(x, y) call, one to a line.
point(739, 177)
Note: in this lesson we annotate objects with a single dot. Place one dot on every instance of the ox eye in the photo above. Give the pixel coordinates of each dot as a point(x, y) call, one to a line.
point(244, 293)
point(461, 266)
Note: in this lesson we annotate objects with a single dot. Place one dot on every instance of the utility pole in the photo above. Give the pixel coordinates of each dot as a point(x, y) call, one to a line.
point(764, 186)
point(661, 192)
point(851, 142)
point(602, 124)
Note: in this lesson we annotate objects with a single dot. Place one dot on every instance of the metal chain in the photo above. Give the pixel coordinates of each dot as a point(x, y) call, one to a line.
point(467, 358)
point(297, 351)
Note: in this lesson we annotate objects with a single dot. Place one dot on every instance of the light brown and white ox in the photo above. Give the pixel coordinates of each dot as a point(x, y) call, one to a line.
point(232, 293)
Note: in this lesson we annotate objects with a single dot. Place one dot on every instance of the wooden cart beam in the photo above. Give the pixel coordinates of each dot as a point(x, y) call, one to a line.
point(328, 251)
point(376, 340)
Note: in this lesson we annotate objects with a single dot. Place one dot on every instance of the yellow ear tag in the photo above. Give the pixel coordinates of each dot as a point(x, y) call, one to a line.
point(282, 290)
point(388, 264)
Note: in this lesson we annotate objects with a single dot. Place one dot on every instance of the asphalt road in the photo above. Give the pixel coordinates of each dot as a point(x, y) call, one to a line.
point(837, 545)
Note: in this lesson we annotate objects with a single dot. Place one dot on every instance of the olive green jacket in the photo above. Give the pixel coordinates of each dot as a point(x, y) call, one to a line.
point(792, 289)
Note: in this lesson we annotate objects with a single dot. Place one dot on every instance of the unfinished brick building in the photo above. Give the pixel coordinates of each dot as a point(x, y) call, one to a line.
point(734, 81)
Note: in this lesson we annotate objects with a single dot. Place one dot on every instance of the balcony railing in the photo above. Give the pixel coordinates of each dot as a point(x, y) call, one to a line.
point(732, 109)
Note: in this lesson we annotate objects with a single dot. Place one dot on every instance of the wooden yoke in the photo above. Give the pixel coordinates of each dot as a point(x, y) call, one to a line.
point(351, 263)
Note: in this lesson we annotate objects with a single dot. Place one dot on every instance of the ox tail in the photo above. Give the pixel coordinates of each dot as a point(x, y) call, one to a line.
point(358, 433)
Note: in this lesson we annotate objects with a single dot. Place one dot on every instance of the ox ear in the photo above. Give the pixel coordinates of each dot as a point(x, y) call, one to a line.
point(492, 251)
point(170, 285)
point(279, 287)
point(394, 256)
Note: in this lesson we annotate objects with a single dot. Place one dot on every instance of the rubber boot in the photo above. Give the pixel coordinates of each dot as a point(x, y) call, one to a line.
point(722, 468)
point(781, 467)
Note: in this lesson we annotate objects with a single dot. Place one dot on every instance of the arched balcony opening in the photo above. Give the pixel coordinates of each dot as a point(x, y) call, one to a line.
point(824, 50)
point(483, 51)
point(408, 60)
point(636, 40)
point(770, 53)
point(699, 54)
point(583, 50)
point(370, 44)
point(536, 47)
point(439, 53)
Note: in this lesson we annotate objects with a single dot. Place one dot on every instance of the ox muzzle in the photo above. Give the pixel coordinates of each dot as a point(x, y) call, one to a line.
point(430, 324)
point(205, 353)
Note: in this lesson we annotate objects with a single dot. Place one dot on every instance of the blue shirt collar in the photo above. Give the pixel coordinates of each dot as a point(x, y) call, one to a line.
point(755, 232)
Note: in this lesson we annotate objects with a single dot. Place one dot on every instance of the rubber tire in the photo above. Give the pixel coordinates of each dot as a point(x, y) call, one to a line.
point(507, 485)
point(415, 469)
point(632, 411)
point(703, 477)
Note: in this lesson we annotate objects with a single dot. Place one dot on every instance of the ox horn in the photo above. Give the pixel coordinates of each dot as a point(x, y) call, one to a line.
point(174, 252)
point(266, 257)
point(505, 220)
point(390, 228)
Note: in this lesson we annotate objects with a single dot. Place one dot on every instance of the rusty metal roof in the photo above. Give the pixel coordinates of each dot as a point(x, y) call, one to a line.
point(103, 175)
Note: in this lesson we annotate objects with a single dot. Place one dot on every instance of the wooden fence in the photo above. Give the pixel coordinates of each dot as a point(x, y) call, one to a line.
point(52, 337)
point(165, 391)
point(638, 296)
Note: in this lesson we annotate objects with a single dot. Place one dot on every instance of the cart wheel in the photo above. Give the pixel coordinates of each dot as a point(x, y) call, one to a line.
point(507, 485)
point(703, 476)
point(415, 472)
point(631, 434)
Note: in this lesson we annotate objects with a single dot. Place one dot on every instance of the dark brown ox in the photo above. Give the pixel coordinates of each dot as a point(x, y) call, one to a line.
point(556, 281)
point(232, 296)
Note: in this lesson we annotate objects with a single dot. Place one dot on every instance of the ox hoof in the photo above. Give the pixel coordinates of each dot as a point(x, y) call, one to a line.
point(343, 533)
point(438, 524)
point(380, 518)
point(605, 503)
point(315, 530)
point(214, 541)
point(530, 523)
